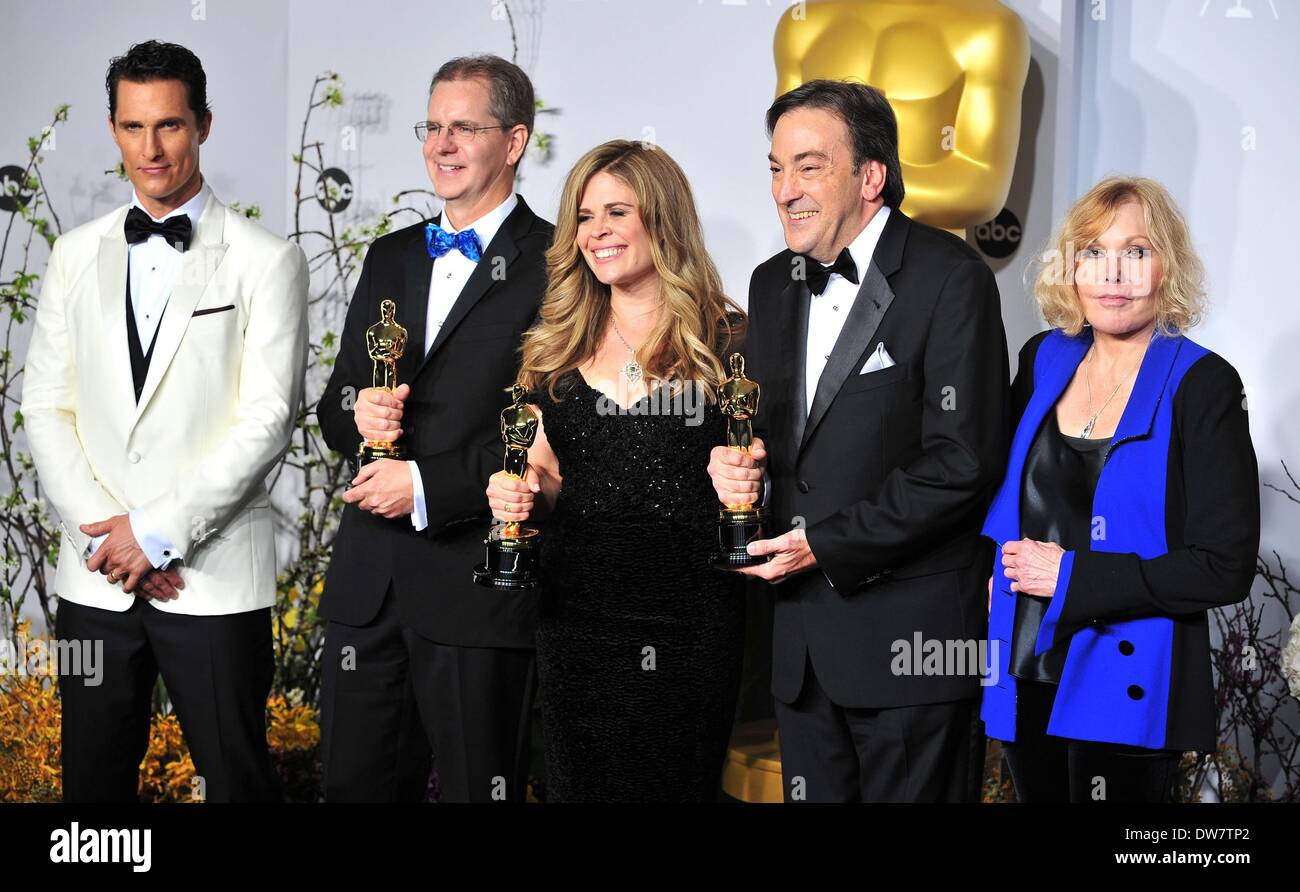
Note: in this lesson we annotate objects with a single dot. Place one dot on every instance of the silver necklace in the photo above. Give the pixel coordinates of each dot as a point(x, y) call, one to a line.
point(631, 369)
point(1087, 379)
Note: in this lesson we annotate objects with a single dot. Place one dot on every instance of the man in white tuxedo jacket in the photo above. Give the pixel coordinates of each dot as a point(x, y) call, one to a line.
point(162, 384)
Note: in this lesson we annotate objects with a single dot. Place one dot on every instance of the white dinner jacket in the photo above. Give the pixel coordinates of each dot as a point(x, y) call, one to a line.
point(219, 404)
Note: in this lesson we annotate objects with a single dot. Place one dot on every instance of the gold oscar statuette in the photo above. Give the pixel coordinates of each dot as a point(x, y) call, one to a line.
point(738, 525)
point(385, 342)
point(511, 549)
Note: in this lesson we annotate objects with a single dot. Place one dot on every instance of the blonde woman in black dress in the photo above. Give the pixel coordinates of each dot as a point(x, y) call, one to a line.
point(640, 639)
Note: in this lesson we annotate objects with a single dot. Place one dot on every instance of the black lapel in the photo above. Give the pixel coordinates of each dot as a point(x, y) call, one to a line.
point(796, 300)
point(873, 300)
point(413, 309)
point(498, 255)
point(139, 359)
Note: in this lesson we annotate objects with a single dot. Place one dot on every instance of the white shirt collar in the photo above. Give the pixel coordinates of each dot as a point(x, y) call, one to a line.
point(487, 225)
point(862, 247)
point(193, 207)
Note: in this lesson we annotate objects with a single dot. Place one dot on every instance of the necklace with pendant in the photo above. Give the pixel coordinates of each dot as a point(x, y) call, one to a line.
point(631, 369)
point(1087, 379)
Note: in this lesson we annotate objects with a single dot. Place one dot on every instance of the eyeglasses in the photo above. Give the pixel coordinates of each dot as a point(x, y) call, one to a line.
point(460, 132)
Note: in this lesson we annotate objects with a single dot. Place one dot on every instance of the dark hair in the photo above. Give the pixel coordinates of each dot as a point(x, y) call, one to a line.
point(510, 92)
point(155, 61)
point(869, 117)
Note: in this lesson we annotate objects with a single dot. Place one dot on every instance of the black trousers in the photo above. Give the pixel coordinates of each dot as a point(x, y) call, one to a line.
point(217, 671)
point(394, 702)
point(1045, 768)
point(933, 752)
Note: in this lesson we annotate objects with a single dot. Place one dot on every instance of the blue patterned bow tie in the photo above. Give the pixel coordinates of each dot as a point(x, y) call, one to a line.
point(439, 241)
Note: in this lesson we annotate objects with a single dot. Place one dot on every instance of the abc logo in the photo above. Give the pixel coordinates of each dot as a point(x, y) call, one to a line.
point(1000, 236)
point(333, 190)
point(13, 195)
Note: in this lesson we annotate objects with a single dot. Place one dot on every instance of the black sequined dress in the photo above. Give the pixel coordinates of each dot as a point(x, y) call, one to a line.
point(640, 639)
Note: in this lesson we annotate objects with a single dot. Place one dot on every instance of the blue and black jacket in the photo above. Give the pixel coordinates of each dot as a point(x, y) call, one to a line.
point(1175, 531)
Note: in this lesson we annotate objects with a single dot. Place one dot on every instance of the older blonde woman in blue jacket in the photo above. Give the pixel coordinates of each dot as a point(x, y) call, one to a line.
point(1130, 509)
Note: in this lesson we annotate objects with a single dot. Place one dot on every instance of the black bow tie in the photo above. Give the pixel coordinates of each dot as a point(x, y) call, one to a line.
point(139, 226)
point(819, 276)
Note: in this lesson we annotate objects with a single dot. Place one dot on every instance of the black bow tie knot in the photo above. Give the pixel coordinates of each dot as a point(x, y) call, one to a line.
point(819, 276)
point(139, 226)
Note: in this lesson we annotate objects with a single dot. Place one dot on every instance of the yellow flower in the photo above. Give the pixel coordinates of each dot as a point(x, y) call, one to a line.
point(31, 753)
point(30, 746)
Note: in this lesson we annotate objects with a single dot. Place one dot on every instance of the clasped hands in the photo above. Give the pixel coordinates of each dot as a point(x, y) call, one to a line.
point(382, 487)
point(737, 478)
point(120, 558)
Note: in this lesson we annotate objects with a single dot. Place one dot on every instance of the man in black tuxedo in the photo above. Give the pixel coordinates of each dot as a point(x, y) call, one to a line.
point(419, 661)
point(879, 346)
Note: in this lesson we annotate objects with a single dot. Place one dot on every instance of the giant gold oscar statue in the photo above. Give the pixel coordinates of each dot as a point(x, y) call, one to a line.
point(953, 71)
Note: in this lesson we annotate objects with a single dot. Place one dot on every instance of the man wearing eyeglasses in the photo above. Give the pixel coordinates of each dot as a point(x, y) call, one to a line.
point(419, 662)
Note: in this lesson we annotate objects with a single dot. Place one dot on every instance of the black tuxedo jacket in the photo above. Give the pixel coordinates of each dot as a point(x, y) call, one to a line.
point(890, 472)
point(451, 428)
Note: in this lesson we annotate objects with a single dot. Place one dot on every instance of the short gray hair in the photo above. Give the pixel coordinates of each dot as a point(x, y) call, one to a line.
point(510, 92)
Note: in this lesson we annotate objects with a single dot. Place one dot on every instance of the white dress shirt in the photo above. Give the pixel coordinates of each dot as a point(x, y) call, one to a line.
point(826, 314)
point(828, 310)
point(450, 273)
point(153, 266)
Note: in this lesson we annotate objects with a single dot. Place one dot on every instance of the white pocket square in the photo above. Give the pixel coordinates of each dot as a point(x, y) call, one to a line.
point(878, 360)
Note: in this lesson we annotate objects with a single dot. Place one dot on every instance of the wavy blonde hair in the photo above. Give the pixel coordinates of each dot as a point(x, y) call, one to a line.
point(1180, 299)
point(699, 321)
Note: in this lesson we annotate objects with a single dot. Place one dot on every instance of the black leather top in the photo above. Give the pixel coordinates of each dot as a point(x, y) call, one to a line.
point(1055, 506)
